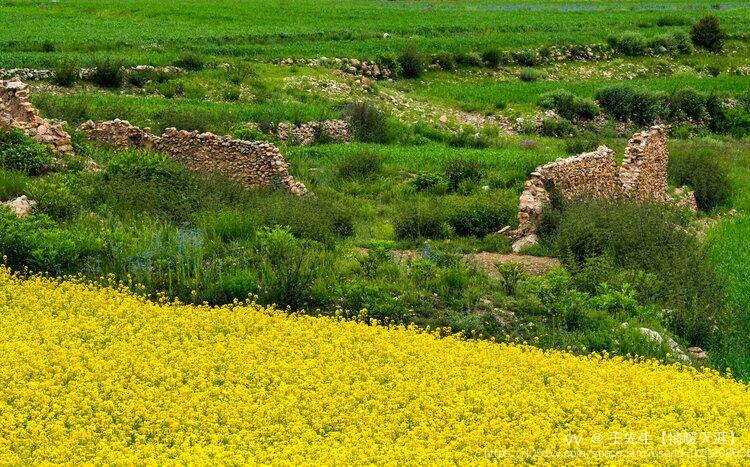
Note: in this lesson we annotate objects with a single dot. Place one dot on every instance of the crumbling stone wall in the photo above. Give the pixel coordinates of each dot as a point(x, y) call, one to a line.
point(308, 133)
point(17, 112)
point(642, 176)
point(252, 164)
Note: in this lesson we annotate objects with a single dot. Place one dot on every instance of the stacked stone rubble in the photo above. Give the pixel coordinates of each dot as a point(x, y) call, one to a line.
point(310, 132)
point(252, 164)
point(17, 112)
point(642, 176)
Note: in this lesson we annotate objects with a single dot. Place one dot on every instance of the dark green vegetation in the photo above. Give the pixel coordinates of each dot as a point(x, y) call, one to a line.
point(398, 212)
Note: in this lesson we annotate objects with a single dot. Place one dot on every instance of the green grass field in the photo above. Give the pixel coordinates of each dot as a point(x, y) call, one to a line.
point(441, 178)
point(155, 31)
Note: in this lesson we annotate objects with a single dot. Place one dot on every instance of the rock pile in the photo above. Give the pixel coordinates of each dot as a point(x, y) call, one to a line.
point(21, 206)
point(252, 164)
point(17, 112)
point(308, 133)
point(26, 74)
point(352, 66)
point(642, 176)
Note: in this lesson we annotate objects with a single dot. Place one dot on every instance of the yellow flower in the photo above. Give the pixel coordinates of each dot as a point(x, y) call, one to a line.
point(97, 375)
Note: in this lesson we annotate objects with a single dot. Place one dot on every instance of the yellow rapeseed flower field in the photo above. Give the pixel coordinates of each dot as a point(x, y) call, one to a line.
point(98, 375)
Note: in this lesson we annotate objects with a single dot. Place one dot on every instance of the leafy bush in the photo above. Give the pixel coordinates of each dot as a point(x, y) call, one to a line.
point(360, 165)
point(66, 73)
point(445, 60)
point(482, 214)
point(228, 225)
point(107, 73)
point(529, 74)
point(38, 243)
point(22, 153)
point(526, 57)
point(689, 102)
point(428, 181)
point(733, 121)
point(369, 124)
point(460, 170)
point(470, 59)
point(492, 57)
point(420, 221)
point(569, 106)
point(708, 34)
point(190, 61)
point(616, 100)
point(630, 44)
point(646, 107)
point(585, 142)
point(412, 62)
point(682, 41)
point(389, 62)
point(652, 238)
point(468, 138)
point(663, 43)
point(706, 175)
point(288, 268)
point(557, 127)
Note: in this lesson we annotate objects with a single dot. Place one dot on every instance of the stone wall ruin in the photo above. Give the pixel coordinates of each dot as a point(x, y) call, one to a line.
point(17, 112)
point(642, 176)
point(252, 164)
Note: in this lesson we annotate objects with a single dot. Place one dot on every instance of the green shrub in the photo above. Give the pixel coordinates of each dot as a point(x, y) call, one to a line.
point(47, 46)
point(529, 75)
point(616, 100)
point(492, 57)
point(663, 43)
point(22, 153)
point(38, 243)
point(469, 59)
point(460, 170)
point(288, 269)
point(190, 61)
point(483, 214)
point(369, 124)
point(652, 238)
point(708, 34)
point(419, 221)
point(389, 62)
point(107, 73)
point(428, 181)
point(647, 106)
point(66, 73)
point(689, 102)
point(412, 62)
point(706, 175)
point(630, 44)
point(360, 165)
point(557, 127)
point(526, 57)
point(445, 60)
point(586, 142)
point(60, 195)
point(569, 106)
point(682, 42)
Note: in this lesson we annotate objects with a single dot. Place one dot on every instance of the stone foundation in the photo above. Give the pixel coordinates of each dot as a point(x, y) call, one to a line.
point(17, 112)
point(252, 164)
point(642, 176)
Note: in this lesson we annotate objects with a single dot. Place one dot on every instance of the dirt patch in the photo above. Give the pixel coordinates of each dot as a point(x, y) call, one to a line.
point(534, 265)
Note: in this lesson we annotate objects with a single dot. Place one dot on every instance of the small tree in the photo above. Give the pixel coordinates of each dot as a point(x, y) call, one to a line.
point(708, 33)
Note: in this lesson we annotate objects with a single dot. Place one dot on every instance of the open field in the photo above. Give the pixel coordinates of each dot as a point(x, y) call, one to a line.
point(146, 31)
point(410, 135)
